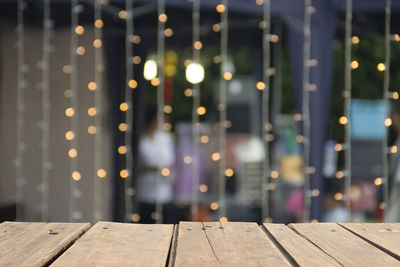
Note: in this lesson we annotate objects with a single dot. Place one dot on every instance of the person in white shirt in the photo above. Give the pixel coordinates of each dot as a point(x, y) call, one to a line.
point(156, 152)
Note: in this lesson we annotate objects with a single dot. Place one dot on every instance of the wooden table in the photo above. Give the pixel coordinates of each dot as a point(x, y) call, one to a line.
point(199, 244)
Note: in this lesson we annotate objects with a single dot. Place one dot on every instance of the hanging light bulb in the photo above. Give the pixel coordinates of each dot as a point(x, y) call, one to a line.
point(195, 73)
point(150, 69)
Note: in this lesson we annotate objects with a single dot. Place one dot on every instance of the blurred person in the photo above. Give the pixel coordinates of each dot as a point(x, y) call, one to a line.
point(156, 151)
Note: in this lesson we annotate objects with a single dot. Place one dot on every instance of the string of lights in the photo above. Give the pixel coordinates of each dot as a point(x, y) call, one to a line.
point(21, 85)
point(99, 172)
point(195, 116)
point(129, 115)
point(225, 76)
point(72, 111)
point(308, 9)
point(347, 102)
point(386, 85)
point(265, 109)
point(162, 18)
point(47, 24)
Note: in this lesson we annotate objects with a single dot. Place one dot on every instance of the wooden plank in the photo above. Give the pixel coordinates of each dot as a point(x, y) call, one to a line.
point(386, 236)
point(36, 244)
point(303, 252)
point(347, 248)
point(225, 244)
point(120, 244)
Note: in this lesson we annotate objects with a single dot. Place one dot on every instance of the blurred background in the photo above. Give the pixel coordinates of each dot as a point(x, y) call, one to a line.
point(99, 191)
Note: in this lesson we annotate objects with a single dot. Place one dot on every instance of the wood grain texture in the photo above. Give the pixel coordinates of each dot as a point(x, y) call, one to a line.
point(303, 252)
point(120, 244)
point(383, 235)
point(36, 244)
point(347, 248)
point(225, 244)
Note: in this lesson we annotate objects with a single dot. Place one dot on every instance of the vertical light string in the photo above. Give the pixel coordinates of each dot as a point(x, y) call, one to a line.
point(306, 106)
point(99, 172)
point(73, 152)
point(21, 85)
point(347, 103)
point(224, 77)
point(162, 18)
point(45, 110)
point(129, 114)
point(195, 115)
point(265, 110)
point(386, 84)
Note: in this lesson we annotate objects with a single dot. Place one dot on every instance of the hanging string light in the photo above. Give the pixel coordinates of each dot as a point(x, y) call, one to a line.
point(129, 35)
point(224, 77)
point(21, 85)
point(45, 64)
point(265, 110)
point(195, 68)
point(72, 111)
point(347, 102)
point(308, 10)
point(386, 84)
point(99, 172)
point(162, 19)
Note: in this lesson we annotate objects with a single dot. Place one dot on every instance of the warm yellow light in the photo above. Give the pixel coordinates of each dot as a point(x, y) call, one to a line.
point(92, 86)
point(123, 127)
point(97, 43)
point(214, 206)
point(217, 59)
point(274, 174)
point(201, 110)
point(355, 40)
point(395, 95)
point(223, 219)
point(123, 106)
point(187, 159)
point(378, 181)
point(343, 120)
point(338, 147)
point(381, 67)
point(124, 173)
point(150, 69)
point(72, 153)
point(354, 64)
point(228, 76)
point(69, 135)
point(274, 38)
point(339, 174)
point(165, 172)
point(69, 112)
point(168, 126)
point(203, 188)
point(216, 27)
point(388, 122)
point(168, 109)
point(204, 139)
point(220, 8)
point(338, 196)
point(163, 18)
point(136, 217)
point(91, 129)
point(122, 14)
point(79, 30)
point(137, 60)
point(188, 92)
point(168, 32)
point(229, 172)
point(132, 84)
point(315, 192)
point(76, 176)
point(137, 39)
point(259, 2)
point(297, 116)
point(198, 45)
point(260, 86)
point(66, 69)
point(187, 62)
point(101, 173)
point(215, 156)
point(91, 112)
point(80, 50)
point(155, 82)
point(396, 37)
point(195, 73)
point(393, 149)
point(99, 23)
point(122, 150)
